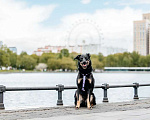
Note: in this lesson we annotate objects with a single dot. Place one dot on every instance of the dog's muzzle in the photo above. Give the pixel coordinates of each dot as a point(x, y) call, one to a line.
point(84, 64)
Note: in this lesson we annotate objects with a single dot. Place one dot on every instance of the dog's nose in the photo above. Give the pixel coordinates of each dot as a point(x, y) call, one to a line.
point(84, 62)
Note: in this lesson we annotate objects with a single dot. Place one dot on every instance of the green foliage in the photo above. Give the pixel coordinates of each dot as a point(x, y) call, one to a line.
point(53, 64)
point(67, 63)
point(13, 59)
point(135, 59)
point(46, 56)
point(34, 56)
point(65, 60)
point(97, 61)
point(23, 53)
point(127, 60)
point(64, 53)
point(100, 57)
point(26, 62)
point(64, 63)
point(5, 57)
point(148, 60)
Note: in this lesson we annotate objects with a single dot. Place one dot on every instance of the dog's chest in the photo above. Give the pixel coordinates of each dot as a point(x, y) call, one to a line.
point(87, 80)
point(84, 83)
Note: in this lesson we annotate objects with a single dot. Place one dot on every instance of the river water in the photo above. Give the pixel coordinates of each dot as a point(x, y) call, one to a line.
point(33, 99)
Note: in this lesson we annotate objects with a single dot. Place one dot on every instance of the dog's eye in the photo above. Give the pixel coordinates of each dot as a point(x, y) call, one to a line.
point(86, 58)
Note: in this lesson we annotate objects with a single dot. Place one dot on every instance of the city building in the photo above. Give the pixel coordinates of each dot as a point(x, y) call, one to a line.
point(146, 16)
point(81, 49)
point(48, 49)
point(141, 35)
point(13, 49)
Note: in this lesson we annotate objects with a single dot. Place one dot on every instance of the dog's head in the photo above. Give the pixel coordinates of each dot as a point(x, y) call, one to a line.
point(83, 60)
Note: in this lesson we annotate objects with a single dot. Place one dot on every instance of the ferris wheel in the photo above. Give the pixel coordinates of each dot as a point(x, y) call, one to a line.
point(85, 33)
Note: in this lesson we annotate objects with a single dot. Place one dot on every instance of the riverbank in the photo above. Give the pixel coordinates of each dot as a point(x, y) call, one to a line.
point(55, 112)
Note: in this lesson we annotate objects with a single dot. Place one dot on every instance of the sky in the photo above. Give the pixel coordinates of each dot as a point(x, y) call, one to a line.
point(30, 24)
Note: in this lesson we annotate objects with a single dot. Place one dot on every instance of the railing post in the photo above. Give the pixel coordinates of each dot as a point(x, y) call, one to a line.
point(105, 87)
point(2, 90)
point(136, 90)
point(60, 89)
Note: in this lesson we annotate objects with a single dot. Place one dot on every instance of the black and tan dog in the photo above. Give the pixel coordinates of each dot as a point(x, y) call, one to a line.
point(84, 95)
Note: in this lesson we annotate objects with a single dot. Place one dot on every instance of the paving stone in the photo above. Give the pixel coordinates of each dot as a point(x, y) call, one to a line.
point(110, 111)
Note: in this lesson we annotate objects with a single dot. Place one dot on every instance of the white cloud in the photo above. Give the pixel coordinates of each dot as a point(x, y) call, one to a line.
point(133, 2)
point(85, 1)
point(21, 26)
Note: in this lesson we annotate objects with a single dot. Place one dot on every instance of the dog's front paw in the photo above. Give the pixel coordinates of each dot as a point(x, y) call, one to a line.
point(78, 105)
point(90, 107)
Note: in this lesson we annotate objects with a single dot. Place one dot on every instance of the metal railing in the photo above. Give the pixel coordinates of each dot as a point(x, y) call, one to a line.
point(61, 88)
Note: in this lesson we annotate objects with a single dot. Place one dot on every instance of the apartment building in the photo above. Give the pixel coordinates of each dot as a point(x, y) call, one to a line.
point(141, 35)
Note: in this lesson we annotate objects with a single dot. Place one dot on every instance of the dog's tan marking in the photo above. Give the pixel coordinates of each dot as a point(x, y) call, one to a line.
point(88, 103)
point(90, 80)
point(88, 62)
point(91, 101)
point(79, 80)
point(79, 102)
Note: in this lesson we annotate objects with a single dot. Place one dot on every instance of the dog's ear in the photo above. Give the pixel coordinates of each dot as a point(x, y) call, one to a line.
point(88, 54)
point(77, 57)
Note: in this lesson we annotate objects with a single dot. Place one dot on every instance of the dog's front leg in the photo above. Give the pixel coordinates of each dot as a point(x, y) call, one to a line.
point(78, 99)
point(88, 99)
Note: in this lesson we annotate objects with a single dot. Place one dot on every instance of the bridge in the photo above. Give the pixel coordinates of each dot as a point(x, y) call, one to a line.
point(126, 68)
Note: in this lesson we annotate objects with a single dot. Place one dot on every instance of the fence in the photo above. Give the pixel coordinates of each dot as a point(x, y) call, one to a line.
point(61, 88)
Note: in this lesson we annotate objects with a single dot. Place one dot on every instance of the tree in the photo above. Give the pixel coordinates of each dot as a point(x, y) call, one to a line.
point(143, 61)
point(148, 60)
point(34, 56)
point(13, 59)
point(111, 61)
point(1, 54)
point(23, 53)
point(46, 56)
point(64, 63)
point(126, 60)
point(67, 63)
point(53, 64)
point(100, 57)
point(96, 64)
point(135, 59)
point(5, 57)
point(26, 62)
point(64, 52)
